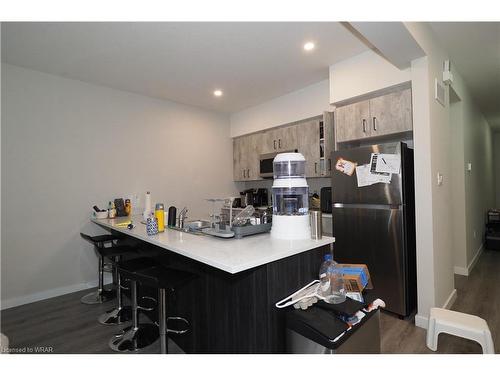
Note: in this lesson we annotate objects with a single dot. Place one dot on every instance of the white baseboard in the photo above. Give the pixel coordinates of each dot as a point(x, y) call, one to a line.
point(466, 271)
point(460, 271)
point(474, 260)
point(450, 300)
point(39, 296)
point(422, 321)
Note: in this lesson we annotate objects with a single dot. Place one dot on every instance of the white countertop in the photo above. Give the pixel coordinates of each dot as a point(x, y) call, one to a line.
point(230, 255)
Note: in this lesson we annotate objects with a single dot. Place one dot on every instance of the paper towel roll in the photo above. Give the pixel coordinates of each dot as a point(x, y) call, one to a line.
point(147, 206)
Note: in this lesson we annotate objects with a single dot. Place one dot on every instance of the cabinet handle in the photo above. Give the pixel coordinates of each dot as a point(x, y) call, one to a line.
point(315, 167)
point(329, 164)
point(244, 173)
point(274, 144)
point(374, 124)
point(279, 143)
point(364, 125)
point(248, 173)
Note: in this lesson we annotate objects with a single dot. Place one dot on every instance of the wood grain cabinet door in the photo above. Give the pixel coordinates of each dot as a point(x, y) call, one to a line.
point(352, 121)
point(253, 149)
point(308, 145)
point(239, 155)
point(329, 145)
point(286, 138)
point(391, 113)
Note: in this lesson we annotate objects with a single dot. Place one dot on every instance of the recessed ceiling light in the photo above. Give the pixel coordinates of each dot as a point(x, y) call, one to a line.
point(309, 46)
point(218, 93)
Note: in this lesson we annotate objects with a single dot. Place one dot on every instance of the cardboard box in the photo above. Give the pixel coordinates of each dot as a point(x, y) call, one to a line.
point(356, 277)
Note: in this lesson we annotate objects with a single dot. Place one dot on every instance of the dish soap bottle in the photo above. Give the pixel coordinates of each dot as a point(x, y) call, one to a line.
point(111, 210)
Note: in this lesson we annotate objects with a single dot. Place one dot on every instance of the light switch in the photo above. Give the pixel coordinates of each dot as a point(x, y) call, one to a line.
point(439, 179)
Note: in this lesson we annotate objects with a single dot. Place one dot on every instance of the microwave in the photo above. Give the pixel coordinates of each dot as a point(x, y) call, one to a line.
point(266, 163)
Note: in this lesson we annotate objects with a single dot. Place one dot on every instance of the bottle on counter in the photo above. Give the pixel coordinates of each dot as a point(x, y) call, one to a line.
point(111, 210)
point(147, 206)
point(128, 207)
point(331, 281)
point(160, 216)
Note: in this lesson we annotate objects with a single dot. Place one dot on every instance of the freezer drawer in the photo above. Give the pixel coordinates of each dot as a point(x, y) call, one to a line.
point(374, 235)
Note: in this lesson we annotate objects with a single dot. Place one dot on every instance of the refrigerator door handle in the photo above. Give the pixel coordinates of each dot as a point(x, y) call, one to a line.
point(369, 206)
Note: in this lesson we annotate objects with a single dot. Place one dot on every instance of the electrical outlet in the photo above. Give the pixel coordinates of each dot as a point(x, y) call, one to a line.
point(475, 234)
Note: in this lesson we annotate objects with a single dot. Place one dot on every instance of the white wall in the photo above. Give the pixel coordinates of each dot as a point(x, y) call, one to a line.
point(479, 182)
point(363, 74)
point(308, 102)
point(67, 145)
point(497, 167)
point(459, 240)
point(432, 144)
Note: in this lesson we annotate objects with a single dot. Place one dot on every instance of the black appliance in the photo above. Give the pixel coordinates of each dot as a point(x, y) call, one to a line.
point(325, 196)
point(266, 163)
point(375, 225)
point(261, 198)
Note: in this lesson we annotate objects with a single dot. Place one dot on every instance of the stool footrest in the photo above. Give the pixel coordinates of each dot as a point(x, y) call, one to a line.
point(151, 301)
point(178, 319)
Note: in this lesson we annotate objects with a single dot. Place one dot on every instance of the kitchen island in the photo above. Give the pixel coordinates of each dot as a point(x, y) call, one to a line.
point(231, 302)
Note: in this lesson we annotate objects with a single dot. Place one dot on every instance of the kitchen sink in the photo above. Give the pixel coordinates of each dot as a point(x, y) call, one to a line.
point(197, 224)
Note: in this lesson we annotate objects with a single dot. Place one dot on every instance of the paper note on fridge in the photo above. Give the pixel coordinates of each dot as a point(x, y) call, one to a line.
point(345, 166)
point(366, 177)
point(386, 163)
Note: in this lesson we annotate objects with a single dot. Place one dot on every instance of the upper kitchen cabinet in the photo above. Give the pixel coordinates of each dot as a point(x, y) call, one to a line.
point(246, 152)
point(391, 113)
point(352, 121)
point(279, 139)
point(329, 142)
point(380, 116)
point(308, 142)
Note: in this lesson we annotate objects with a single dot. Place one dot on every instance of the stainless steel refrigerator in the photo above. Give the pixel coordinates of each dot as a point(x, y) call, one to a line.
point(375, 225)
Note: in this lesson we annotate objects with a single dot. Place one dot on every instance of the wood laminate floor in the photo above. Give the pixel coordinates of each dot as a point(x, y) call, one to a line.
point(67, 326)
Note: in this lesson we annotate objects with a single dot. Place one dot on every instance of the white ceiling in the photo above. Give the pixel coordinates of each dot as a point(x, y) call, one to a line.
point(474, 49)
point(184, 62)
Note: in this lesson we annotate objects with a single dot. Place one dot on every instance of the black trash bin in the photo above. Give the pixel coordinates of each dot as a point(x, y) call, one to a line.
point(319, 330)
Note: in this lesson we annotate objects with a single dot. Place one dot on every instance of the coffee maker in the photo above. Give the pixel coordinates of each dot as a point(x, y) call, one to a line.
point(254, 197)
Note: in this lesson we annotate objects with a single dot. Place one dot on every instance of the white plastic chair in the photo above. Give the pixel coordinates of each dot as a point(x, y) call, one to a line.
point(458, 324)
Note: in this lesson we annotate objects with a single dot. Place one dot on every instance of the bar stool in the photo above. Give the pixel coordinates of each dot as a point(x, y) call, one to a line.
point(120, 314)
point(100, 295)
point(138, 335)
point(166, 280)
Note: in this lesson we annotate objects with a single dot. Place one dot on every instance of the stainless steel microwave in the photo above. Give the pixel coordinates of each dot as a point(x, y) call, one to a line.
point(266, 163)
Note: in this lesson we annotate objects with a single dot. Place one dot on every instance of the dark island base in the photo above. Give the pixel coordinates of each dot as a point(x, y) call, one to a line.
point(236, 313)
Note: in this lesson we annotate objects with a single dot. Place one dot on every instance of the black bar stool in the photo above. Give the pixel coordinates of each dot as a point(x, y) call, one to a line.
point(120, 314)
point(138, 335)
point(166, 280)
point(100, 295)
